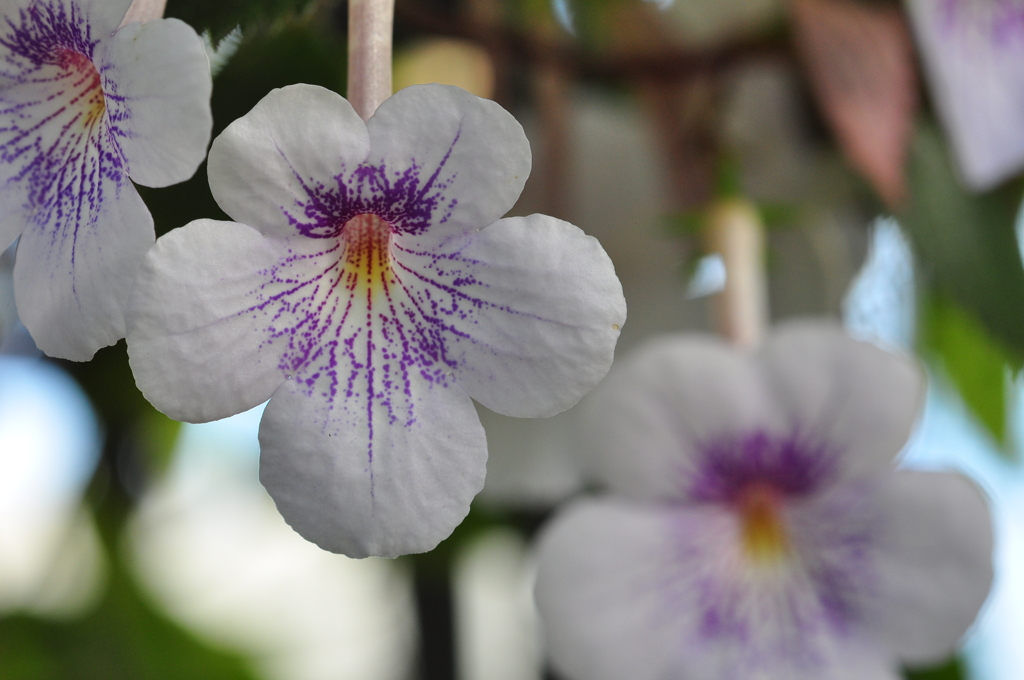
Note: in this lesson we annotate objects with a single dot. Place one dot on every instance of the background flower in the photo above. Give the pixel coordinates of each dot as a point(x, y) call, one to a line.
point(85, 108)
point(763, 531)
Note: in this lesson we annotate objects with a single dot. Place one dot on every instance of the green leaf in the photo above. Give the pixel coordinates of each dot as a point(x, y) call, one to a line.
point(966, 244)
point(974, 363)
point(951, 670)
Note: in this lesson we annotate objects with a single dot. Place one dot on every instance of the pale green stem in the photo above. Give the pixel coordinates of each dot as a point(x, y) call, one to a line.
point(369, 53)
point(736, 233)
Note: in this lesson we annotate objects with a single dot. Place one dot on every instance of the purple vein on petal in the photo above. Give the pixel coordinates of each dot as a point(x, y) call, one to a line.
point(54, 134)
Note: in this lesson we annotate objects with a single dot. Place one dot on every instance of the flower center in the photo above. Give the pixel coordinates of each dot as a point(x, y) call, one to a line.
point(763, 530)
point(85, 86)
point(366, 260)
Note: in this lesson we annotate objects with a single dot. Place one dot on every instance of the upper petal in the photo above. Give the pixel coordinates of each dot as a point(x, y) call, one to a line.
point(280, 168)
point(201, 326)
point(934, 563)
point(156, 79)
point(529, 311)
point(860, 400)
point(443, 160)
point(369, 456)
point(648, 422)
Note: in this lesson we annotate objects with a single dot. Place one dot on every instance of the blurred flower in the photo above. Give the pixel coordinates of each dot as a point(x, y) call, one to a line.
point(764, 531)
point(83, 108)
point(51, 561)
point(973, 54)
point(371, 299)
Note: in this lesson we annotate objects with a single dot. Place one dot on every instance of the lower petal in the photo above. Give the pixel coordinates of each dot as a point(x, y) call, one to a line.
point(652, 592)
point(362, 469)
point(934, 563)
point(77, 260)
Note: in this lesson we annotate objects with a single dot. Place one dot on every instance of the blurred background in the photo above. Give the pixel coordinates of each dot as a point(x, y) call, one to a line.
point(881, 143)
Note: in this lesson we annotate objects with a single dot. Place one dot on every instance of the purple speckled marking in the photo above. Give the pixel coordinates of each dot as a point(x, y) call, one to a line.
point(777, 618)
point(60, 158)
point(1001, 22)
point(371, 317)
point(793, 465)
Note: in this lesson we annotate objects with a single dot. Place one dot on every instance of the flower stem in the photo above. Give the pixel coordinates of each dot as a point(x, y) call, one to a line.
point(144, 10)
point(369, 53)
point(736, 233)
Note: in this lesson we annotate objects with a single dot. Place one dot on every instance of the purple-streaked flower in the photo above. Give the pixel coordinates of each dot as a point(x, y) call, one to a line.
point(973, 54)
point(371, 289)
point(85, 108)
point(761, 529)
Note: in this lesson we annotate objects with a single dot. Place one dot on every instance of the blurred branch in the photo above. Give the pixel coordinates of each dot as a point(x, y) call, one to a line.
point(671, 63)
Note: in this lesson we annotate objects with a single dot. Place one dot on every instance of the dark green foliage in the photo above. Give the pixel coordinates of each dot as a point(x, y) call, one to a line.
point(220, 16)
point(966, 243)
point(951, 670)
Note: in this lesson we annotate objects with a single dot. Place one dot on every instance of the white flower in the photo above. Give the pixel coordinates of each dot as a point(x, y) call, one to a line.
point(973, 54)
point(762, 530)
point(372, 289)
point(83, 108)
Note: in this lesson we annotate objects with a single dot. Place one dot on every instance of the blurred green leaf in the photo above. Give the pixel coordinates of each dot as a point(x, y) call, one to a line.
point(966, 244)
point(124, 637)
point(220, 16)
point(974, 363)
point(951, 670)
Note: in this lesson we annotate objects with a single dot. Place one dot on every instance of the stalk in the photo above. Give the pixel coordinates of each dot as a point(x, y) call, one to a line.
point(369, 53)
point(735, 231)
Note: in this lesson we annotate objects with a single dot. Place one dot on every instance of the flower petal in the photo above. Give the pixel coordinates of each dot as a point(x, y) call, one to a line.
point(652, 592)
point(200, 340)
point(363, 470)
point(445, 161)
point(78, 257)
point(528, 311)
point(157, 83)
point(649, 419)
point(280, 167)
point(971, 53)
point(934, 562)
point(851, 395)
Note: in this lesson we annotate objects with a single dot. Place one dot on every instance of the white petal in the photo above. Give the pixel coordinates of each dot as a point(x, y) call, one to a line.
point(654, 592)
point(973, 57)
point(934, 563)
point(201, 337)
point(157, 83)
point(445, 161)
point(852, 397)
point(529, 309)
point(281, 167)
point(648, 423)
point(362, 466)
point(73, 276)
